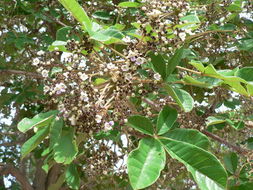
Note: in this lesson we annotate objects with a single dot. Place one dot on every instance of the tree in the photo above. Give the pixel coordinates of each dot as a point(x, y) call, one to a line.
point(126, 94)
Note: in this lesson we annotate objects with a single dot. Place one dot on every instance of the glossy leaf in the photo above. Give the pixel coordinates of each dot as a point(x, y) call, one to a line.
point(72, 177)
point(141, 124)
point(101, 15)
point(55, 132)
point(174, 61)
point(245, 73)
point(65, 148)
point(129, 4)
point(183, 98)
point(206, 169)
point(230, 162)
point(78, 12)
point(190, 136)
point(40, 120)
point(211, 120)
point(34, 141)
point(166, 119)
point(159, 64)
point(145, 163)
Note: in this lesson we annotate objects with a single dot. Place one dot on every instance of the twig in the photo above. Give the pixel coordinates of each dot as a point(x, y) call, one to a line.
point(238, 149)
point(30, 74)
point(21, 178)
point(189, 70)
point(211, 135)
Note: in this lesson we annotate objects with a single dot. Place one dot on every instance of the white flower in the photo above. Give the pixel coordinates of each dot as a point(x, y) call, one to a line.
point(41, 52)
point(59, 88)
point(111, 66)
point(128, 76)
point(126, 39)
point(108, 125)
point(72, 120)
point(140, 60)
point(36, 61)
point(182, 36)
point(83, 76)
point(124, 68)
point(98, 118)
point(45, 73)
point(132, 54)
point(84, 97)
point(157, 76)
point(154, 13)
point(46, 89)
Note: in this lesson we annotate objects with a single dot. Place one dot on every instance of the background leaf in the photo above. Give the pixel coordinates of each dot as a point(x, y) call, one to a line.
point(183, 98)
point(39, 120)
point(34, 141)
point(141, 124)
point(166, 119)
point(72, 177)
point(204, 166)
point(145, 163)
point(190, 136)
point(65, 148)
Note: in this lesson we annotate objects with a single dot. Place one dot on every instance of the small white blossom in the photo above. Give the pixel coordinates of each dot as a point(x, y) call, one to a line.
point(84, 97)
point(140, 60)
point(126, 39)
point(40, 53)
point(182, 36)
point(72, 120)
point(124, 67)
point(36, 61)
point(83, 76)
point(108, 125)
point(98, 118)
point(111, 66)
point(45, 73)
point(157, 76)
point(46, 89)
point(128, 76)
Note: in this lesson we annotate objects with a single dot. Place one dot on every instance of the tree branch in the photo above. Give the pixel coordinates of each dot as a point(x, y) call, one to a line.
point(238, 149)
point(11, 143)
point(16, 72)
point(8, 169)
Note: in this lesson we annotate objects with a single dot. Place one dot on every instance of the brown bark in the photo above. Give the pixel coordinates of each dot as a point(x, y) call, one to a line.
point(20, 177)
point(53, 175)
point(39, 182)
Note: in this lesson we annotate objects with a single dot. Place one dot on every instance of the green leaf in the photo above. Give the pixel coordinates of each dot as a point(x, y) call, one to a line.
point(190, 136)
point(145, 163)
point(191, 18)
point(206, 169)
point(34, 141)
point(159, 64)
point(211, 120)
point(55, 131)
point(166, 119)
point(79, 14)
point(174, 61)
point(61, 34)
point(40, 120)
point(65, 148)
point(230, 162)
point(129, 4)
point(183, 98)
point(245, 73)
point(141, 124)
point(58, 45)
point(101, 15)
point(72, 177)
